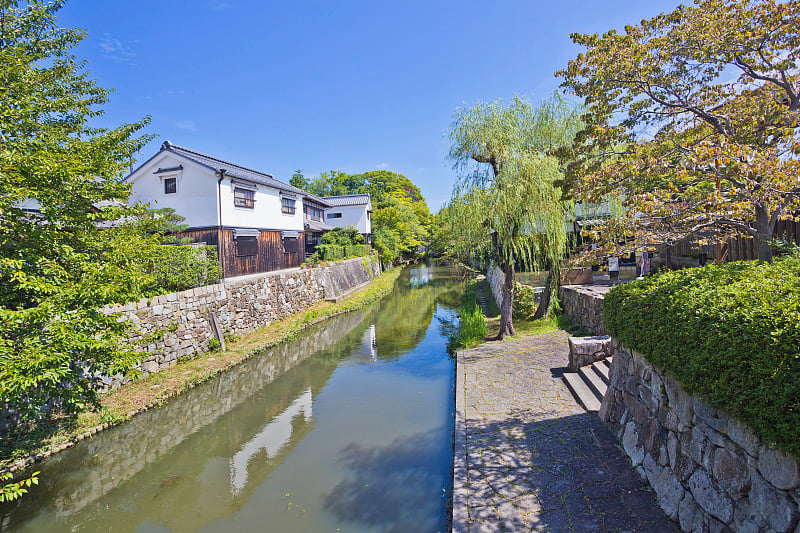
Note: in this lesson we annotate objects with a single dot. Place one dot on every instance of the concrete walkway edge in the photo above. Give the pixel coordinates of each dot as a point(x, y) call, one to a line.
point(460, 503)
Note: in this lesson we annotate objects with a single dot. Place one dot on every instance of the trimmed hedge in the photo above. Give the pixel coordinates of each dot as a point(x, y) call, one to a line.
point(332, 252)
point(730, 333)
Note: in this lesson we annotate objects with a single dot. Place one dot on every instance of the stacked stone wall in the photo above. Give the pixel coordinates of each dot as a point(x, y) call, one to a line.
point(180, 323)
point(496, 279)
point(709, 471)
point(584, 305)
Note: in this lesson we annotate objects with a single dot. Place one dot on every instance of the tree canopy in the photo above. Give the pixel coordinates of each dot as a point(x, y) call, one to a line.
point(400, 219)
point(506, 206)
point(60, 258)
point(692, 120)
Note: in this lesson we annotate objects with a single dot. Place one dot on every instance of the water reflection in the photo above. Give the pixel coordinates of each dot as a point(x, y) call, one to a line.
point(272, 439)
point(285, 439)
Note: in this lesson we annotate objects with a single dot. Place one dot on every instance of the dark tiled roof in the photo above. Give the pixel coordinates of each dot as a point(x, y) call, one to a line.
point(233, 170)
point(350, 199)
point(315, 225)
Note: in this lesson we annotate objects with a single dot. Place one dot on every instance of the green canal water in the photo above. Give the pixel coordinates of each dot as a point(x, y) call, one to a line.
point(346, 428)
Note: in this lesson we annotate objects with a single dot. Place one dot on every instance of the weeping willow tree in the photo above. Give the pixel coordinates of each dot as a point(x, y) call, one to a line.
point(506, 205)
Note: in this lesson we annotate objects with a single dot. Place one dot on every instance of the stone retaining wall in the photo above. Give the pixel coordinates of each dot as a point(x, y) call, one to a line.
point(708, 470)
point(496, 279)
point(181, 321)
point(583, 304)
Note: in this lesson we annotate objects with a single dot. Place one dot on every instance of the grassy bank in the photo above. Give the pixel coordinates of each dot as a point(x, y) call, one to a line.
point(46, 437)
point(523, 327)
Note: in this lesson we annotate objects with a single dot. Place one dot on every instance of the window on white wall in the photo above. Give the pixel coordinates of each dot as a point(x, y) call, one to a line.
point(244, 198)
point(287, 206)
point(170, 185)
point(334, 215)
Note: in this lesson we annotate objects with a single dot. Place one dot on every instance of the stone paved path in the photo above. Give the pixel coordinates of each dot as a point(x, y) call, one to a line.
point(529, 458)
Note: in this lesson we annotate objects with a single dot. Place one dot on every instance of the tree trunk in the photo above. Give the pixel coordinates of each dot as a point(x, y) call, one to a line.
point(544, 304)
point(506, 308)
point(764, 230)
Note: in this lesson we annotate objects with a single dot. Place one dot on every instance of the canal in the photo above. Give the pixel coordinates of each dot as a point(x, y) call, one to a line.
point(346, 428)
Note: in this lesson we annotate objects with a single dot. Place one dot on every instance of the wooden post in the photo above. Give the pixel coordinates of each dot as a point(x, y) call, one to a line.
point(212, 316)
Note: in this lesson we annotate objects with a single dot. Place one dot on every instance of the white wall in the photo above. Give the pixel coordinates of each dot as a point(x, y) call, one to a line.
point(196, 196)
point(266, 213)
point(354, 215)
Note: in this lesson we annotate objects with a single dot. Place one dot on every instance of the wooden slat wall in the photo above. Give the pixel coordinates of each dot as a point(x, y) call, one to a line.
point(270, 251)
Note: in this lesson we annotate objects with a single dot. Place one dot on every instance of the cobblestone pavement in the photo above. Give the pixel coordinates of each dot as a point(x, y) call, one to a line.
point(528, 457)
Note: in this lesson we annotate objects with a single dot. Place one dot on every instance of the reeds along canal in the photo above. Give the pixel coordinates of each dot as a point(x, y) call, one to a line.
point(348, 426)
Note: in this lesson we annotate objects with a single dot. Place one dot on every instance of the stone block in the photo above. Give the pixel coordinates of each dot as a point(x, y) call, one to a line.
point(679, 400)
point(739, 433)
point(690, 517)
point(746, 519)
point(710, 497)
point(713, 417)
point(774, 506)
point(630, 443)
point(731, 473)
point(778, 468)
point(693, 443)
point(668, 490)
point(587, 350)
point(149, 366)
point(684, 466)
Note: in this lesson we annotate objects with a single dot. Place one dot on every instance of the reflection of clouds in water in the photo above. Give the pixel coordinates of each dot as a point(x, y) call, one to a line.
point(396, 487)
point(271, 439)
point(420, 276)
point(367, 352)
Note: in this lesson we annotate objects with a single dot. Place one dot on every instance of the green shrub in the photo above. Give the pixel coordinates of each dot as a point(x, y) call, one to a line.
point(177, 268)
point(333, 252)
point(730, 333)
point(471, 329)
point(343, 236)
point(524, 302)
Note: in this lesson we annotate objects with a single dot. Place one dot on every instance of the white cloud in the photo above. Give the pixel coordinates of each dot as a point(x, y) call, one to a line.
point(185, 125)
point(382, 166)
point(218, 5)
point(115, 49)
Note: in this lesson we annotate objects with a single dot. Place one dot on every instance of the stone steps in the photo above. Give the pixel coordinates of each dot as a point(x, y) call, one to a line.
point(589, 384)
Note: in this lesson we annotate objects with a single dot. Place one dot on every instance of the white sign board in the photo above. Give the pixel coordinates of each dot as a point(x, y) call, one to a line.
point(613, 264)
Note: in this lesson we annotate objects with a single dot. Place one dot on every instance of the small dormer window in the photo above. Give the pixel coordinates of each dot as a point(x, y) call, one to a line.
point(170, 185)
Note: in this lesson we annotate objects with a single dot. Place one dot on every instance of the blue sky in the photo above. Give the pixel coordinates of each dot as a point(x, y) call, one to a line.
point(351, 86)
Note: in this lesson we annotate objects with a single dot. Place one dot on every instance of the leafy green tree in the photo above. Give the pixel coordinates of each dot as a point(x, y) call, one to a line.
point(61, 260)
point(164, 222)
point(692, 121)
point(12, 491)
point(401, 220)
point(343, 236)
point(506, 205)
point(299, 180)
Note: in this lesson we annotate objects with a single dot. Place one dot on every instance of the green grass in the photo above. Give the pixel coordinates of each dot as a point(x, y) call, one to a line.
point(471, 329)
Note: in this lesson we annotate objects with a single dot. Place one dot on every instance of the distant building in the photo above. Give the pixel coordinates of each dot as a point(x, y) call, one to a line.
point(350, 210)
point(258, 223)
